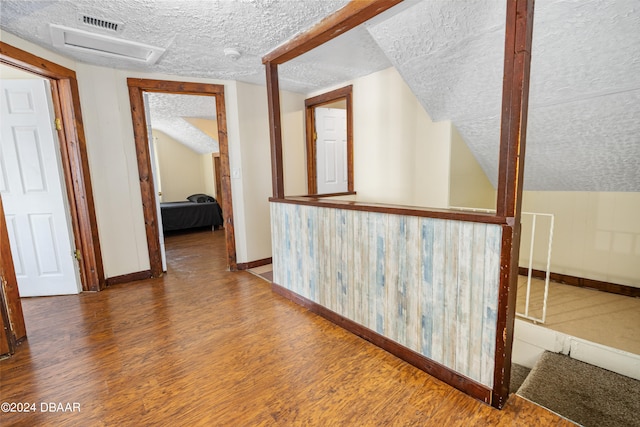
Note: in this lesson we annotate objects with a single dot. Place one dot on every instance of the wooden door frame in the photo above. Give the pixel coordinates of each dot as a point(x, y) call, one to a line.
point(75, 162)
point(345, 93)
point(217, 175)
point(136, 89)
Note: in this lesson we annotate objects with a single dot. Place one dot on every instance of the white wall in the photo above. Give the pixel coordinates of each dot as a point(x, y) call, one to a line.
point(597, 235)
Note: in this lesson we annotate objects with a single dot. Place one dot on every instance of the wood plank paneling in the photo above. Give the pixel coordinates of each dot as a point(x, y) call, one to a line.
point(430, 285)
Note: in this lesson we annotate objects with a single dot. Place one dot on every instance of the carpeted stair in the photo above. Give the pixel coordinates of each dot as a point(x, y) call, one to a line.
point(583, 393)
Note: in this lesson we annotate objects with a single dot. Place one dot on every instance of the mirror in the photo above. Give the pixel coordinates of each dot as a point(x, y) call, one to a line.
point(330, 142)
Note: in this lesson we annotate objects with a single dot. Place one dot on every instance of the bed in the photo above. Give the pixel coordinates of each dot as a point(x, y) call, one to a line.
point(197, 211)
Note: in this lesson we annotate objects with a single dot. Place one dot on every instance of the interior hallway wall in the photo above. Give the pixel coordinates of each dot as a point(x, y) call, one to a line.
point(113, 163)
point(182, 170)
point(256, 159)
point(596, 235)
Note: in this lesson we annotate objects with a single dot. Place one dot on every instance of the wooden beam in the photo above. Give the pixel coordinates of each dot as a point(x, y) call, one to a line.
point(225, 184)
point(515, 99)
point(273, 95)
point(350, 16)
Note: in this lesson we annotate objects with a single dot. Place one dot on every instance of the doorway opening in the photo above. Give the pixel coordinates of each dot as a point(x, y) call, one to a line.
point(137, 89)
point(73, 157)
point(35, 206)
point(329, 136)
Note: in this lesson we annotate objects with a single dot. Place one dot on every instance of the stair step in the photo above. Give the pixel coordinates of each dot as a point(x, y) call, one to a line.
point(583, 393)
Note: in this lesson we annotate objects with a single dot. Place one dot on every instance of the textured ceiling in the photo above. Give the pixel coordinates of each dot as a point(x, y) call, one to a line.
point(584, 115)
point(584, 111)
point(169, 111)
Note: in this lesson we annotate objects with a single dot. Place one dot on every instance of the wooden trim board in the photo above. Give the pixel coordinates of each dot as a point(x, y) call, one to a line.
point(127, 278)
point(391, 209)
point(254, 264)
point(583, 282)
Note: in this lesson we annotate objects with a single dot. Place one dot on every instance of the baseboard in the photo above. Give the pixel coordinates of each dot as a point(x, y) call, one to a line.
point(254, 264)
point(582, 282)
point(435, 369)
point(131, 277)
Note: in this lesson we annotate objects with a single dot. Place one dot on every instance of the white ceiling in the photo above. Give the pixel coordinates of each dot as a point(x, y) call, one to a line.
point(168, 113)
point(584, 115)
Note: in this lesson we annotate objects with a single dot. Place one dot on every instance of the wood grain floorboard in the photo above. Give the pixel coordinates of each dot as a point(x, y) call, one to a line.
point(202, 346)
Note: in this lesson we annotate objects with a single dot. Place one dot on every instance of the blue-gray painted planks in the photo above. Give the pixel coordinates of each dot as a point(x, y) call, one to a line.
point(428, 284)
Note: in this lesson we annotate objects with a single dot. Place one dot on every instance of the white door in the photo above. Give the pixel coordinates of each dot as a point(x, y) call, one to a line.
point(32, 191)
point(331, 150)
point(156, 179)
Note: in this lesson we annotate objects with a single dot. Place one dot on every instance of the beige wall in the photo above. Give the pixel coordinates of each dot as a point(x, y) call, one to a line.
point(182, 170)
point(209, 175)
point(208, 126)
point(597, 235)
point(470, 186)
point(256, 160)
point(400, 155)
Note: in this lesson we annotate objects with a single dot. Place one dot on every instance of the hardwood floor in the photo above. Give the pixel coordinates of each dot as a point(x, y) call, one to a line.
point(203, 346)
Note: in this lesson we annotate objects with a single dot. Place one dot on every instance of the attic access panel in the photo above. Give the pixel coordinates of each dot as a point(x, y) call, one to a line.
point(103, 45)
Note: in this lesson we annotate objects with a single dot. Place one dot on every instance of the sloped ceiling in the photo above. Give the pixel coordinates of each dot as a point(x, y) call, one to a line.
point(584, 109)
point(170, 113)
point(584, 115)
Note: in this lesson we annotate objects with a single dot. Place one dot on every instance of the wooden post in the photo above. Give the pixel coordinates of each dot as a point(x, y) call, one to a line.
point(275, 130)
point(513, 132)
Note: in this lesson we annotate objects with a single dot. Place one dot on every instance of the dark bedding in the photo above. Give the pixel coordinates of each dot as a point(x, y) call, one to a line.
point(183, 215)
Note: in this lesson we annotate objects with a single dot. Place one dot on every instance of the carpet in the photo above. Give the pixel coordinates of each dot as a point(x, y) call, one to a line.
point(583, 393)
point(518, 375)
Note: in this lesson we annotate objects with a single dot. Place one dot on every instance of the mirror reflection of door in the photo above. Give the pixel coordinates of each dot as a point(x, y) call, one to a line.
point(331, 149)
point(330, 143)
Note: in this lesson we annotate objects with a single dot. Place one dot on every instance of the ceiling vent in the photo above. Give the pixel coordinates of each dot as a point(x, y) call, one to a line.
point(104, 45)
point(103, 24)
